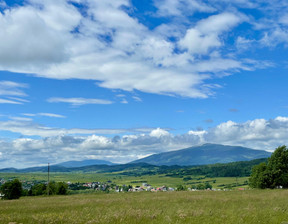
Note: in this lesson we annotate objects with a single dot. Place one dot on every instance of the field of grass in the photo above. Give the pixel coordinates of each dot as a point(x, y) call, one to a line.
point(153, 180)
point(250, 206)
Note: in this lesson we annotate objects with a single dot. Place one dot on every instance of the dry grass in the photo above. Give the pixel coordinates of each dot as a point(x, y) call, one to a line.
point(254, 206)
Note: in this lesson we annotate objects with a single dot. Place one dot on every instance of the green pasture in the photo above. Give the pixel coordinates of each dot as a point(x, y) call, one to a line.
point(250, 206)
point(153, 180)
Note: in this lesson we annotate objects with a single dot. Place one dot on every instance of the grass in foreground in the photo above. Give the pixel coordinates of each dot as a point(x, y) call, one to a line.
point(253, 206)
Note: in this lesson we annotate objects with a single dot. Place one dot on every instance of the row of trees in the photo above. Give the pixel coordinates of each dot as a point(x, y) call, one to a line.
point(200, 186)
point(13, 189)
point(53, 188)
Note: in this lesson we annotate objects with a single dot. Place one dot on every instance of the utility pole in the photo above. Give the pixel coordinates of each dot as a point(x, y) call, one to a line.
point(48, 179)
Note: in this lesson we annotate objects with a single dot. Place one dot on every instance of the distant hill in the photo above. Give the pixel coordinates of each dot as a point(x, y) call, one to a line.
point(234, 169)
point(204, 154)
point(89, 162)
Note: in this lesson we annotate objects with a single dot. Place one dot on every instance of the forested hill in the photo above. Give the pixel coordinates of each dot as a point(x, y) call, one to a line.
point(234, 169)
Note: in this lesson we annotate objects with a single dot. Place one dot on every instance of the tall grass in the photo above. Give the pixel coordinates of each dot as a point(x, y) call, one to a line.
point(251, 206)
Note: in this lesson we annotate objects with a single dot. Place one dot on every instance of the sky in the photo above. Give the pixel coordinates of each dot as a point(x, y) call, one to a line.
point(119, 80)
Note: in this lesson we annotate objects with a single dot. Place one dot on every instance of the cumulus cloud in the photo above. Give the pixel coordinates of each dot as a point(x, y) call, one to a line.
point(258, 134)
point(103, 42)
point(158, 133)
point(205, 35)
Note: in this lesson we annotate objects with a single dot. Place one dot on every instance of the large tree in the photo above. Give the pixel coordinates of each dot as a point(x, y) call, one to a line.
point(12, 189)
point(272, 174)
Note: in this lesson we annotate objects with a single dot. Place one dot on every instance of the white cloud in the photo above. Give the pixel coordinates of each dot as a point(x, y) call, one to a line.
point(159, 133)
point(12, 91)
point(281, 119)
point(205, 35)
point(124, 101)
point(25, 29)
point(78, 101)
point(19, 99)
point(21, 118)
point(54, 40)
point(274, 37)
point(8, 88)
point(136, 98)
point(26, 127)
point(9, 101)
point(51, 115)
point(178, 7)
point(258, 134)
point(44, 115)
point(243, 44)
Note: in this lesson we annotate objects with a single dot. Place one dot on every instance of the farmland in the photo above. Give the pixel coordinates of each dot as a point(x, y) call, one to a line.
point(118, 179)
point(250, 206)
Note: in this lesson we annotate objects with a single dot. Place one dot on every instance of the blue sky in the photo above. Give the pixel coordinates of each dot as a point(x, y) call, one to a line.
point(119, 80)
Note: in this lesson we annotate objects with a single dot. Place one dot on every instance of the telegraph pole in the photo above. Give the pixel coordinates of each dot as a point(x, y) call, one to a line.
point(48, 179)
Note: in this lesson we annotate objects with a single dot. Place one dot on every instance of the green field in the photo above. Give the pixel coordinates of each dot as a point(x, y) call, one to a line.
point(153, 180)
point(250, 206)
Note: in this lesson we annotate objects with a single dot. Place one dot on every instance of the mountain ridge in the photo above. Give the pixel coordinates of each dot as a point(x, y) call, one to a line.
point(87, 162)
point(193, 156)
point(204, 154)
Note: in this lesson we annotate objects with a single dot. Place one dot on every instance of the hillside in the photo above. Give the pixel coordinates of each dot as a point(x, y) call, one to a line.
point(89, 162)
point(204, 154)
point(239, 169)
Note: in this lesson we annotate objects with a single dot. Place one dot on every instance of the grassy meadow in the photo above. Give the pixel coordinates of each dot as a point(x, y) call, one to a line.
point(250, 206)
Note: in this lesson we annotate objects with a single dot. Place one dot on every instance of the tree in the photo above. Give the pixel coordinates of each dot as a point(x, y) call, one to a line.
point(52, 188)
point(12, 189)
point(38, 189)
point(260, 177)
point(272, 174)
point(180, 187)
point(278, 167)
point(62, 188)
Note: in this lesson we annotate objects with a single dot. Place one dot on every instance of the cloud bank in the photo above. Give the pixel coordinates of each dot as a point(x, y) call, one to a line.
point(78, 144)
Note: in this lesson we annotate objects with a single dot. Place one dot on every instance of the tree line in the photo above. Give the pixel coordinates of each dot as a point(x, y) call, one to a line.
point(14, 190)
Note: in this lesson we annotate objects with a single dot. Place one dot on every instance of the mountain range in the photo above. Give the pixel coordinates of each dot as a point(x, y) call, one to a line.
point(204, 154)
point(197, 155)
point(88, 162)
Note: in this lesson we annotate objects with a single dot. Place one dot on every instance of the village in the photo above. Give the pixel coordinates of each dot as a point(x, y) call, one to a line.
point(109, 186)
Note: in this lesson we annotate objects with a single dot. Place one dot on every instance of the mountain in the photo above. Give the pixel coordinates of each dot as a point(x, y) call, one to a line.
point(53, 168)
point(89, 162)
point(204, 154)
